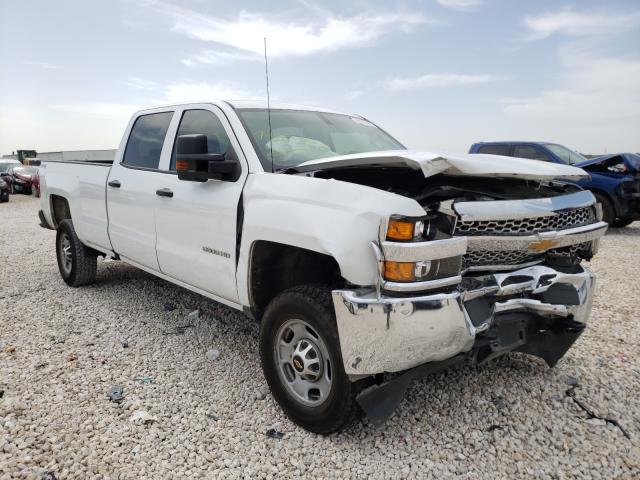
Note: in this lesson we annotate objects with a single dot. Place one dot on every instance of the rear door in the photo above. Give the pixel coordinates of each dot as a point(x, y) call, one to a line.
point(131, 188)
point(197, 222)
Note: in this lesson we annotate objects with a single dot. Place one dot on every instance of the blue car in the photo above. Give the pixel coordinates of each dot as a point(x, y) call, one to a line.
point(615, 178)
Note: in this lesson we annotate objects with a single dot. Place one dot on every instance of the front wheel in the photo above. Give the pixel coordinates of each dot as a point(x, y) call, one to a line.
point(608, 211)
point(301, 360)
point(76, 262)
point(622, 222)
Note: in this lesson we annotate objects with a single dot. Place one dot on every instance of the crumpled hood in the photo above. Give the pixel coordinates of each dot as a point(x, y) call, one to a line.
point(463, 165)
point(631, 161)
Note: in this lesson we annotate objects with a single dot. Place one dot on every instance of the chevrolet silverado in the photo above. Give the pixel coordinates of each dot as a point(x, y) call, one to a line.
point(366, 264)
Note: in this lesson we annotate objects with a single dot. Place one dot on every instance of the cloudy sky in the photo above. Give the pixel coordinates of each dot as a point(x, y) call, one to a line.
point(438, 74)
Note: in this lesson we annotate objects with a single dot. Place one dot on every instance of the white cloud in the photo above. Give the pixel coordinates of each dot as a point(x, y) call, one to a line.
point(202, 91)
point(213, 57)
point(571, 23)
point(99, 109)
point(43, 65)
point(179, 92)
point(354, 94)
point(595, 90)
point(464, 5)
point(287, 38)
point(137, 83)
point(437, 80)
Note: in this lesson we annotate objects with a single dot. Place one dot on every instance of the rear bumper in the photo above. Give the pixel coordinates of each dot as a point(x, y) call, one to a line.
point(488, 316)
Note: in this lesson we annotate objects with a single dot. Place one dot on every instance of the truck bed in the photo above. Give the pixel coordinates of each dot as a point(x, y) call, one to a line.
point(83, 184)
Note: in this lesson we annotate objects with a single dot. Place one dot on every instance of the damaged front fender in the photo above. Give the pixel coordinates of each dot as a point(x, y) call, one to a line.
point(326, 216)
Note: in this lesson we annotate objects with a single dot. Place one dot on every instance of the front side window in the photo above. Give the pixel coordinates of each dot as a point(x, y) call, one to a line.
point(202, 122)
point(298, 136)
point(530, 151)
point(495, 149)
point(567, 156)
point(146, 139)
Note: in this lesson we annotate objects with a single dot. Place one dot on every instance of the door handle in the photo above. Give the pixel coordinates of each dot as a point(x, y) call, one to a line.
point(164, 192)
point(114, 184)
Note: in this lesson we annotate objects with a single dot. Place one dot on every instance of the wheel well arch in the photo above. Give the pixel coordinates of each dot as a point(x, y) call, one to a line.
point(611, 198)
point(275, 267)
point(59, 209)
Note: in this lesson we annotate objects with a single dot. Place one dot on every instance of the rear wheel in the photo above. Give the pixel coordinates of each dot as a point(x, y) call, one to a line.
point(301, 360)
point(608, 211)
point(76, 262)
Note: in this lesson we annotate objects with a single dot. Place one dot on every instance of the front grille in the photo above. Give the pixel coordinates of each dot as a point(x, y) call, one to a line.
point(581, 250)
point(527, 226)
point(485, 258)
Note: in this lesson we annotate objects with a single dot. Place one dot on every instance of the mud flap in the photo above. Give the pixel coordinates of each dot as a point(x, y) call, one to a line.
point(380, 401)
point(552, 344)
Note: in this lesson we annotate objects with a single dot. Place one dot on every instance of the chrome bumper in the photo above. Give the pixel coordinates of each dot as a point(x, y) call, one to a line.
point(386, 334)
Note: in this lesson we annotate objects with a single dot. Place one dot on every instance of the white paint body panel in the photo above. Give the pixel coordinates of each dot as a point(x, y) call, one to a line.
point(198, 216)
point(327, 216)
point(84, 188)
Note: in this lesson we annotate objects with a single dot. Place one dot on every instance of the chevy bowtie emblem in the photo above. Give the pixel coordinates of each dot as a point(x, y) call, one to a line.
point(542, 245)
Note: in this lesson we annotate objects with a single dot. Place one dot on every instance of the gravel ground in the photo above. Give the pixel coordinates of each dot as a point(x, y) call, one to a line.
point(61, 349)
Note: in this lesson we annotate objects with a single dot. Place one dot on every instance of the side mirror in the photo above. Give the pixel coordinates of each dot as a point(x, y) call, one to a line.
point(194, 162)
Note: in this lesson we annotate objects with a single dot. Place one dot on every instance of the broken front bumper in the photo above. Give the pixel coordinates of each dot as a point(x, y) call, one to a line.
point(538, 310)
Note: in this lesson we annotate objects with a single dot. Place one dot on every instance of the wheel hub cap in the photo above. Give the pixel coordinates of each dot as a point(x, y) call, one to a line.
point(307, 360)
point(65, 253)
point(303, 362)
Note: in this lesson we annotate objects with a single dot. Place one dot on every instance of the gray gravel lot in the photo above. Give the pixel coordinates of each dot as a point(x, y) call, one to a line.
point(61, 349)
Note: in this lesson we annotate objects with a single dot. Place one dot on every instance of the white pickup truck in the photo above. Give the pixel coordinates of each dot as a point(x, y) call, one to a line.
point(367, 264)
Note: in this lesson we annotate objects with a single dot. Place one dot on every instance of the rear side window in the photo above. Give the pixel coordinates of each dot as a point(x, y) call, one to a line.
point(495, 149)
point(146, 139)
point(202, 122)
point(530, 151)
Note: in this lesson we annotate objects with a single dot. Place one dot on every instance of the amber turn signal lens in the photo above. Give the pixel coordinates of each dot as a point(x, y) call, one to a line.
point(400, 230)
point(399, 271)
point(182, 165)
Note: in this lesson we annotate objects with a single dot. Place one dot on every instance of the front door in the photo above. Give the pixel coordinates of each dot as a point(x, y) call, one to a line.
point(197, 225)
point(131, 189)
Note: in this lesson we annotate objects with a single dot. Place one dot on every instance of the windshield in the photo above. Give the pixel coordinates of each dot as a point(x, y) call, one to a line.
point(634, 160)
point(567, 156)
point(299, 136)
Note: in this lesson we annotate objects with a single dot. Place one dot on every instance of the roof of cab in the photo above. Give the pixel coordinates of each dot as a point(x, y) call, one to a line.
point(278, 106)
point(240, 104)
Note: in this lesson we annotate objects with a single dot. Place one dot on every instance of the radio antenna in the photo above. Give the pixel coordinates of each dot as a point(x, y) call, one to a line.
point(266, 73)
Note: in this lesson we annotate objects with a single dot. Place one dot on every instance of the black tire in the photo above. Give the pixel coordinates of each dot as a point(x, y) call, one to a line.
point(608, 211)
point(79, 266)
point(622, 222)
point(313, 305)
point(4, 197)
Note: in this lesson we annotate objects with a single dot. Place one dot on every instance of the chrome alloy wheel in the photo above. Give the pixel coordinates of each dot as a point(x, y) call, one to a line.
point(65, 253)
point(303, 362)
